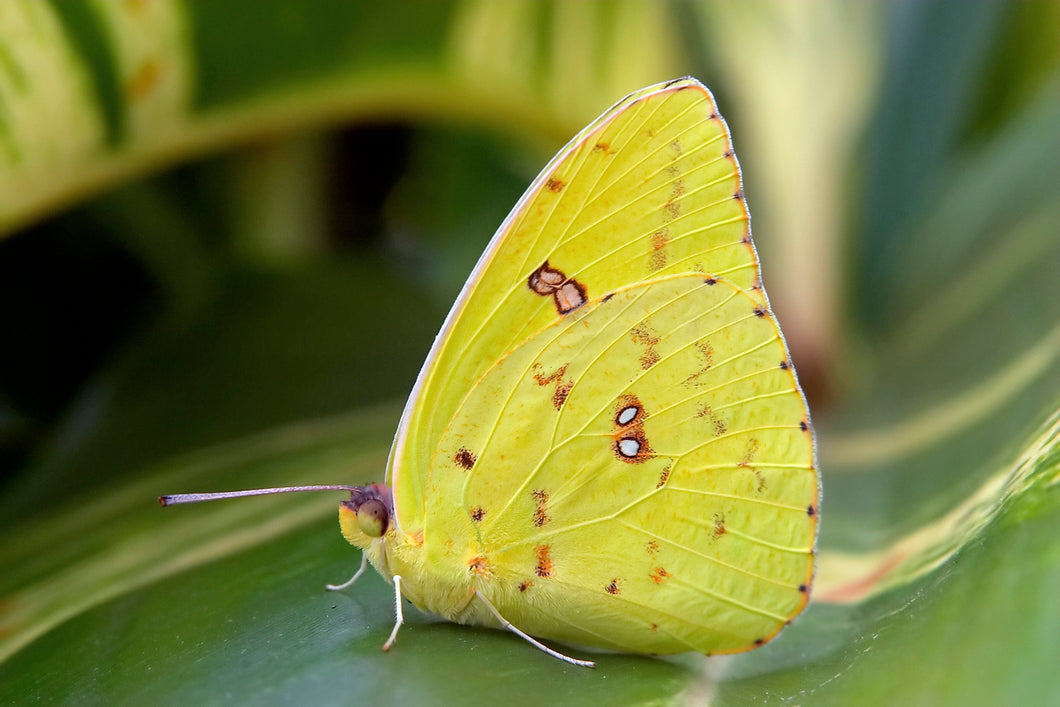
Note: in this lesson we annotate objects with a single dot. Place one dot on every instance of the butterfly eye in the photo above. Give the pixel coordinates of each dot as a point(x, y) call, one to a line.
point(373, 518)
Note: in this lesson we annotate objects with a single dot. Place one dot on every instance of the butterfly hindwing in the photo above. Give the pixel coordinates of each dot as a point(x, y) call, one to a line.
point(642, 465)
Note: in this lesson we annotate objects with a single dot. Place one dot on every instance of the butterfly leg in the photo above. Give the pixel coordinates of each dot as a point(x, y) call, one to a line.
point(399, 617)
point(351, 580)
point(529, 639)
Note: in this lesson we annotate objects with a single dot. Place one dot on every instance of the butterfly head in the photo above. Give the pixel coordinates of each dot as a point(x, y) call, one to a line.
point(366, 516)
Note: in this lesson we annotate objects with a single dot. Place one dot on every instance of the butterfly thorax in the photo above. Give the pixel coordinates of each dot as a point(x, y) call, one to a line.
point(432, 578)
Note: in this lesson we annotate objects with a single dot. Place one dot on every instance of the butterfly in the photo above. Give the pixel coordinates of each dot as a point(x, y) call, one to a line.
point(607, 445)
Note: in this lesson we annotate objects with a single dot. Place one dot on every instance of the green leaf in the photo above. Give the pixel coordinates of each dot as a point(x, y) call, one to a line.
point(254, 318)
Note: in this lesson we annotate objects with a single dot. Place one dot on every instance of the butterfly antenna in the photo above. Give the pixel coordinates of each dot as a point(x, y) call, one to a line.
point(177, 499)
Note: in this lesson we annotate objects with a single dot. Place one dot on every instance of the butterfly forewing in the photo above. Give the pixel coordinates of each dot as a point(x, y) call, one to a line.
point(649, 189)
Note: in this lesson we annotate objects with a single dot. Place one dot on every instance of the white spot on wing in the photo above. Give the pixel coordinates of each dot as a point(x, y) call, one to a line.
point(628, 447)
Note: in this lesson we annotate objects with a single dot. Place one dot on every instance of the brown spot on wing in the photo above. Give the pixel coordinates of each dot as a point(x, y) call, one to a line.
point(761, 478)
point(563, 387)
point(718, 426)
point(719, 525)
point(567, 294)
point(478, 514)
point(750, 451)
point(555, 184)
point(524, 585)
point(560, 396)
point(664, 476)
point(464, 458)
point(659, 240)
point(645, 337)
point(569, 297)
point(612, 587)
point(541, 516)
point(545, 279)
point(704, 351)
point(673, 204)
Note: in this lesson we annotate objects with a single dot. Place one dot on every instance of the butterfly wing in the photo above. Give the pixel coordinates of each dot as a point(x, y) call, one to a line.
point(651, 188)
point(608, 440)
point(638, 475)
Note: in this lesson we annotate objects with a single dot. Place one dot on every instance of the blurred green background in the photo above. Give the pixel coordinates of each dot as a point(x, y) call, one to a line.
point(231, 229)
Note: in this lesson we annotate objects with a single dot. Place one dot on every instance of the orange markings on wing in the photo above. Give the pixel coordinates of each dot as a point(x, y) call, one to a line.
point(563, 387)
point(643, 336)
point(659, 575)
point(544, 561)
point(479, 565)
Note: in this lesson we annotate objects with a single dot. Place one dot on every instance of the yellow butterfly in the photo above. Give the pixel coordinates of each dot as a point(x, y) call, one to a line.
point(607, 445)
